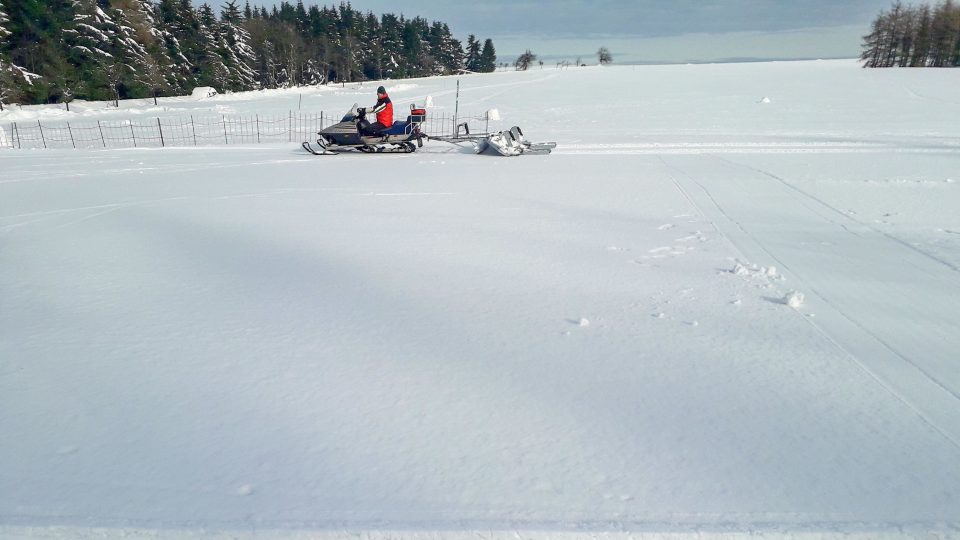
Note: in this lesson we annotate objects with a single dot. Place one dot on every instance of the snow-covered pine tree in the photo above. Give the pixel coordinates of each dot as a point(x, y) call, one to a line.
point(7, 84)
point(446, 50)
point(391, 30)
point(100, 49)
point(302, 20)
point(435, 44)
point(473, 53)
point(312, 72)
point(130, 74)
point(238, 55)
point(161, 72)
point(87, 38)
point(372, 43)
point(185, 40)
point(211, 69)
point(4, 33)
point(455, 53)
point(416, 48)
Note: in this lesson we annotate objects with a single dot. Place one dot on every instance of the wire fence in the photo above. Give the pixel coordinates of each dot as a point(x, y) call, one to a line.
point(200, 131)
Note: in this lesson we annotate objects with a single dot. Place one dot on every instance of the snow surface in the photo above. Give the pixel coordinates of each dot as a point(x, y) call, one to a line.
point(250, 342)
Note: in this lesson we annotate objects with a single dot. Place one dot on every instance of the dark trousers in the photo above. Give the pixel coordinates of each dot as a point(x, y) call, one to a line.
point(366, 128)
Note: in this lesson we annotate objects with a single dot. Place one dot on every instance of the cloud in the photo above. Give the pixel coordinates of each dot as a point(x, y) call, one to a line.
point(556, 27)
point(650, 18)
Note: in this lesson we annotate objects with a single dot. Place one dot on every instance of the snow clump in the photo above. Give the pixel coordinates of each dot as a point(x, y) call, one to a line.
point(793, 299)
point(203, 92)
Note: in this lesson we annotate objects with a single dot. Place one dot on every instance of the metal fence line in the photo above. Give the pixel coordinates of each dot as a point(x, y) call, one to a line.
point(198, 131)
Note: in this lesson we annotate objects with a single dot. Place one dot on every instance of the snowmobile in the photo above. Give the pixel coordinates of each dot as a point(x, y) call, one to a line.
point(401, 137)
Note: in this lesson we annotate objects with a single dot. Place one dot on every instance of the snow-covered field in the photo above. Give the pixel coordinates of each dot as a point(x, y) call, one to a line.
point(707, 314)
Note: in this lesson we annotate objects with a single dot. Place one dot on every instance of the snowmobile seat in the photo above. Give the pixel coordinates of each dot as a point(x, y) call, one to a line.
point(398, 128)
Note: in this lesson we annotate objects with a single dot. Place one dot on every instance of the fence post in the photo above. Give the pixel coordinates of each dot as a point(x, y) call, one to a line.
point(290, 127)
point(134, 135)
point(258, 129)
point(70, 131)
point(225, 141)
point(162, 144)
point(102, 138)
point(16, 133)
point(42, 138)
point(456, 109)
point(194, 128)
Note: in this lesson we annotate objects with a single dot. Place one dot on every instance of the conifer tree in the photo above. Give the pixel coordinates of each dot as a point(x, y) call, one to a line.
point(7, 84)
point(51, 50)
point(35, 47)
point(211, 69)
point(488, 57)
point(160, 71)
point(87, 38)
point(131, 70)
point(238, 56)
point(473, 53)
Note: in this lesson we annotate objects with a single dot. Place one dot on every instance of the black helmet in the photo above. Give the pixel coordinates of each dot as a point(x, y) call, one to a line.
point(381, 90)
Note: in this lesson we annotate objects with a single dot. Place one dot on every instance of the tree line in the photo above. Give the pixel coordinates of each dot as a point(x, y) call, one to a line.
point(57, 50)
point(914, 36)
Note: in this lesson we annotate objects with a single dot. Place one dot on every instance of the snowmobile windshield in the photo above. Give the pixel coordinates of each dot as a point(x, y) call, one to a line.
point(351, 114)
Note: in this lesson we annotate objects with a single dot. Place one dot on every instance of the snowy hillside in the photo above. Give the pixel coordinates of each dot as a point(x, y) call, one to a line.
point(727, 305)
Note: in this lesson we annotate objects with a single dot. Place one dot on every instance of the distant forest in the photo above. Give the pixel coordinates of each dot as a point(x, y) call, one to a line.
point(57, 50)
point(914, 36)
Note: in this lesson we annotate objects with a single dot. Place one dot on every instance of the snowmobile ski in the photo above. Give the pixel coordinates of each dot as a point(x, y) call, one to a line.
point(324, 152)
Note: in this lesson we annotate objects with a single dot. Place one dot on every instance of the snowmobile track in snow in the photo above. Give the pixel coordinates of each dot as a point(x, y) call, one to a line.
point(698, 148)
point(904, 363)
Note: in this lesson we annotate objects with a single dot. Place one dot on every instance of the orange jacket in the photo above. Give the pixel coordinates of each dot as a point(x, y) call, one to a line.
point(384, 111)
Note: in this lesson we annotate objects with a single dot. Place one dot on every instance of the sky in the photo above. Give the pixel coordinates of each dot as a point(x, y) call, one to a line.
point(649, 30)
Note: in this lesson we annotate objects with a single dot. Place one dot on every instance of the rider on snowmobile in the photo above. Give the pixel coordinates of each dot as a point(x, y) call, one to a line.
point(384, 111)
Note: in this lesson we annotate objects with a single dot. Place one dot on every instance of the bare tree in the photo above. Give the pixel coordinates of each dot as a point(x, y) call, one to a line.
point(524, 61)
point(914, 36)
point(604, 55)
